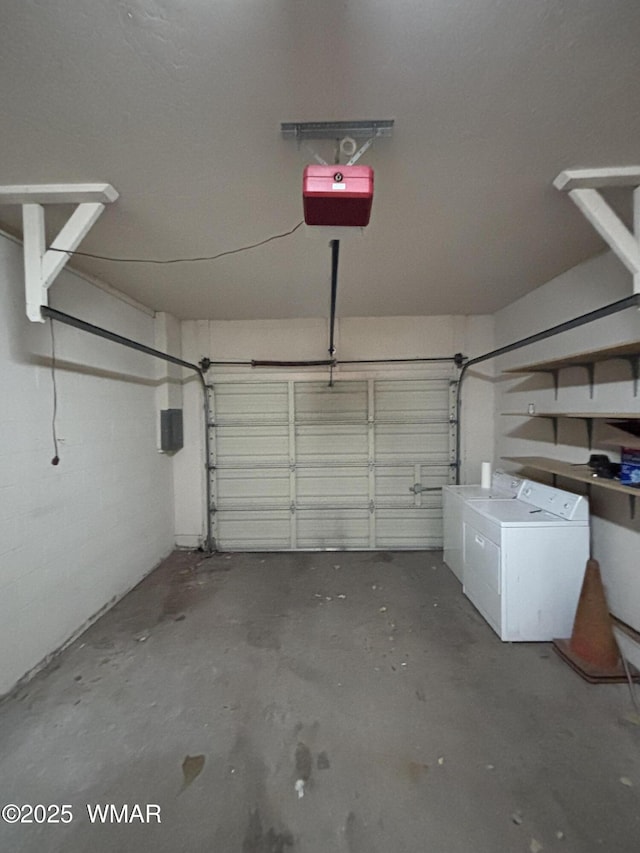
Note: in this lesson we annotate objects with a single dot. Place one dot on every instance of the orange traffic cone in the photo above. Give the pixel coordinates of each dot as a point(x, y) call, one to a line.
point(592, 650)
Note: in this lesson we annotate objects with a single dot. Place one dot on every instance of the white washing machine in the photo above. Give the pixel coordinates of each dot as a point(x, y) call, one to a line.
point(524, 561)
point(503, 487)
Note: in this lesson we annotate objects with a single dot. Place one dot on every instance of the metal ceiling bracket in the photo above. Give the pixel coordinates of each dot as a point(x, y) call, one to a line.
point(582, 186)
point(361, 151)
point(42, 265)
point(336, 129)
point(369, 130)
point(315, 154)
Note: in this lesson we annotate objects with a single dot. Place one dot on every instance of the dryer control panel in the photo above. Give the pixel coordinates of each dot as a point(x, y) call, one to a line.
point(556, 501)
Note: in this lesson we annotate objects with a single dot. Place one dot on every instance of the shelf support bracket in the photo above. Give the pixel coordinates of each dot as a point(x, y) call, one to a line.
point(589, 366)
point(41, 264)
point(632, 506)
point(588, 422)
point(555, 373)
point(582, 186)
point(634, 364)
point(554, 421)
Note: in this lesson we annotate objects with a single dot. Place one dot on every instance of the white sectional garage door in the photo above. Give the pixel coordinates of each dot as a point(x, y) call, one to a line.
point(300, 465)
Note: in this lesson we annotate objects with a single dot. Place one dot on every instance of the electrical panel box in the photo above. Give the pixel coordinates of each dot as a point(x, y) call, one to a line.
point(337, 195)
point(171, 435)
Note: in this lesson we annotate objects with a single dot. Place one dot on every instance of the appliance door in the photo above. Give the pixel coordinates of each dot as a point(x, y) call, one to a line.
point(482, 572)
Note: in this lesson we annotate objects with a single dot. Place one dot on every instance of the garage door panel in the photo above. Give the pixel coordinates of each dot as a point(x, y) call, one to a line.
point(253, 487)
point(397, 443)
point(393, 481)
point(342, 402)
point(325, 443)
point(332, 484)
point(394, 484)
point(332, 528)
point(302, 465)
point(422, 528)
point(260, 530)
point(253, 444)
point(411, 400)
point(251, 402)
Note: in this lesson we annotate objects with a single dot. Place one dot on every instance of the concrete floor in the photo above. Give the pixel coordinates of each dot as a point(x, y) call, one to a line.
point(217, 684)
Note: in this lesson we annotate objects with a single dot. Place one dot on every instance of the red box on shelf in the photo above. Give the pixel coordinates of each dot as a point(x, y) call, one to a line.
point(337, 195)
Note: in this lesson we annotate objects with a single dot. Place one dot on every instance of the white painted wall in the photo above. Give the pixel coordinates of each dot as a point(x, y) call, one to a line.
point(307, 339)
point(76, 537)
point(616, 537)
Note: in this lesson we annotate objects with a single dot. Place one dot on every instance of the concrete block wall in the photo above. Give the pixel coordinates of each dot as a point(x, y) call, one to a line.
point(77, 536)
point(598, 282)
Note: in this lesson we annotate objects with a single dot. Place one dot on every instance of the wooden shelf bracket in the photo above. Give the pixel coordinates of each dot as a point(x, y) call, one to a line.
point(588, 422)
point(634, 364)
point(41, 264)
point(582, 186)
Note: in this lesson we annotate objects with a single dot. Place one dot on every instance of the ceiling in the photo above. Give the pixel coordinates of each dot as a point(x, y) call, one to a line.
point(178, 104)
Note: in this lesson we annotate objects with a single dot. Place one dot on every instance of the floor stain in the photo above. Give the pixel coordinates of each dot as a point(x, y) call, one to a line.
point(304, 762)
point(183, 584)
point(420, 696)
point(416, 770)
point(191, 769)
point(258, 841)
point(356, 836)
point(263, 635)
point(323, 762)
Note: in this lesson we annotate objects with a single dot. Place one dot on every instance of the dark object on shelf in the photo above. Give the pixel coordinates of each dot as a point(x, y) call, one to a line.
point(602, 466)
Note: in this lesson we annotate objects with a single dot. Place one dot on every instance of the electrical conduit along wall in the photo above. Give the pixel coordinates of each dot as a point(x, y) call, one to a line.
point(74, 537)
point(586, 287)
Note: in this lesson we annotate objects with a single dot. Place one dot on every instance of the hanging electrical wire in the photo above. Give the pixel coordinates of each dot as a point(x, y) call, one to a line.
point(181, 260)
point(56, 458)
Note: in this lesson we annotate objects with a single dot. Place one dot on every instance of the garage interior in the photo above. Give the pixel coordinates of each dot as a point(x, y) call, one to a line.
point(227, 588)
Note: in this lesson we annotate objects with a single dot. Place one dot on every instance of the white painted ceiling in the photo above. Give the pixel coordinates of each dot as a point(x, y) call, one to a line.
point(178, 104)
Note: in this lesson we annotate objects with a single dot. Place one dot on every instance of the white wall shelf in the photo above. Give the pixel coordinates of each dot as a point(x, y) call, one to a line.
point(628, 352)
point(587, 417)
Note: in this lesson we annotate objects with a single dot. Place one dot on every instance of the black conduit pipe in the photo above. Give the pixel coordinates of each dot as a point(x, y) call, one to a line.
point(77, 323)
point(613, 308)
point(335, 251)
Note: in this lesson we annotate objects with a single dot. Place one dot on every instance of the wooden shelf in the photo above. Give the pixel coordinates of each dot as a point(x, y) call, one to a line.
point(630, 352)
point(580, 473)
point(608, 416)
point(627, 351)
point(587, 417)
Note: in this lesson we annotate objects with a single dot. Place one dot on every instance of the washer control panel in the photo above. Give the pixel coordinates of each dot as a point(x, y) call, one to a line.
point(555, 501)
